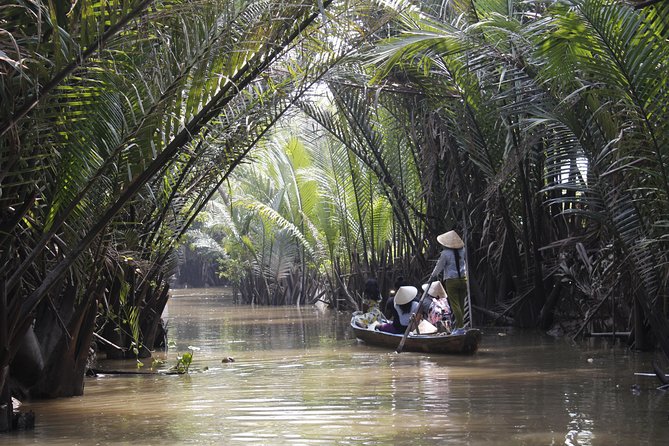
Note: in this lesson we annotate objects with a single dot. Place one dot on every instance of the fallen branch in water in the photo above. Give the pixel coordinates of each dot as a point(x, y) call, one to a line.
point(96, 372)
point(120, 372)
point(496, 316)
point(660, 374)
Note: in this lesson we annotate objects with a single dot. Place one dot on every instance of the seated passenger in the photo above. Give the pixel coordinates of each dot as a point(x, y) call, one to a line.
point(387, 304)
point(403, 307)
point(371, 296)
point(435, 308)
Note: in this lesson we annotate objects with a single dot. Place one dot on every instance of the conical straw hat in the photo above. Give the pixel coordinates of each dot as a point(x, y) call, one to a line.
point(405, 294)
point(436, 289)
point(451, 239)
point(426, 328)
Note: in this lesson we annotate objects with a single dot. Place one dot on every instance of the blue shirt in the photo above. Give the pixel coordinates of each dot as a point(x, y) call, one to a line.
point(446, 264)
point(404, 318)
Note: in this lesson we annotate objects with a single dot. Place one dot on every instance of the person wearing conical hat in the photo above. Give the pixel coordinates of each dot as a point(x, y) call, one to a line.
point(435, 308)
point(451, 266)
point(404, 306)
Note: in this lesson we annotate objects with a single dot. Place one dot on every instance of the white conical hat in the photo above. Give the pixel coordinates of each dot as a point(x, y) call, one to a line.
point(436, 289)
point(451, 239)
point(405, 294)
point(426, 328)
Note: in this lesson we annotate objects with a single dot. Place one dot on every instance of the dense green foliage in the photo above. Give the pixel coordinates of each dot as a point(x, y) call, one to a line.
point(536, 129)
point(119, 120)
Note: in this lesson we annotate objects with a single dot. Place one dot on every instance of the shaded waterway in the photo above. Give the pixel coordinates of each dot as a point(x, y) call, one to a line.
point(300, 378)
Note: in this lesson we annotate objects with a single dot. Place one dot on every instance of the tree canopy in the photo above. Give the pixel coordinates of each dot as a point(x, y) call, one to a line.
point(536, 129)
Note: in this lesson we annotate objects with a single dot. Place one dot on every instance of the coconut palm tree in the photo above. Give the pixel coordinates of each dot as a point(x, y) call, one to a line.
point(547, 108)
point(133, 103)
point(299, 215)
point(618, 53)
point(381, 152)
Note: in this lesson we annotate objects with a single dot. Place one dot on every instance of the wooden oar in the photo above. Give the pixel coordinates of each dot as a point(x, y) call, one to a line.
point(413, 315)
point(467, 313)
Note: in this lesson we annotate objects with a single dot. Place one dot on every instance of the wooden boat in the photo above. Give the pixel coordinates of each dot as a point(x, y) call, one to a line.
point(462, 342)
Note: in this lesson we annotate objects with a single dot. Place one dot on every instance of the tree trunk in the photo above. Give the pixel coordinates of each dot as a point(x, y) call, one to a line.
point(65, 343)
point(150, 322)
point(6, 408)
point(640, 332)
point(546, 313)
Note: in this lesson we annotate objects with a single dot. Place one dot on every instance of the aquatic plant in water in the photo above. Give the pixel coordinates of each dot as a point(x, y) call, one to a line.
point(184, 361)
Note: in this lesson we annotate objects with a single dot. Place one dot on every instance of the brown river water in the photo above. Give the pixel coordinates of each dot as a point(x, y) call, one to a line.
point(301, 378)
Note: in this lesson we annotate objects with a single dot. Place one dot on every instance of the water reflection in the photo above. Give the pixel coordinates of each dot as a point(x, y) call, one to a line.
point(300, 378)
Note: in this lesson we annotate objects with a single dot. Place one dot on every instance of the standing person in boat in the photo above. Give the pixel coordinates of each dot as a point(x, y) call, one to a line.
point(452, 266)
point(435, 308)
point(404, 305)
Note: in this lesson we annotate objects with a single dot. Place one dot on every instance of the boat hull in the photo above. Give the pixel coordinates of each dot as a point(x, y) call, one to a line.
point(466, 343)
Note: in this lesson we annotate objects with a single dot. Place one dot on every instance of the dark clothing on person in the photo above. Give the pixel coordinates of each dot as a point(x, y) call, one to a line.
point(401, 318)
point(387, 304)
point(372, 290)
point(388, 308)
point(426, 305)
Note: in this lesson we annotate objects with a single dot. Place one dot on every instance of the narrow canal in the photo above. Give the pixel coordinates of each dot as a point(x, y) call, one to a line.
point(300, 378)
